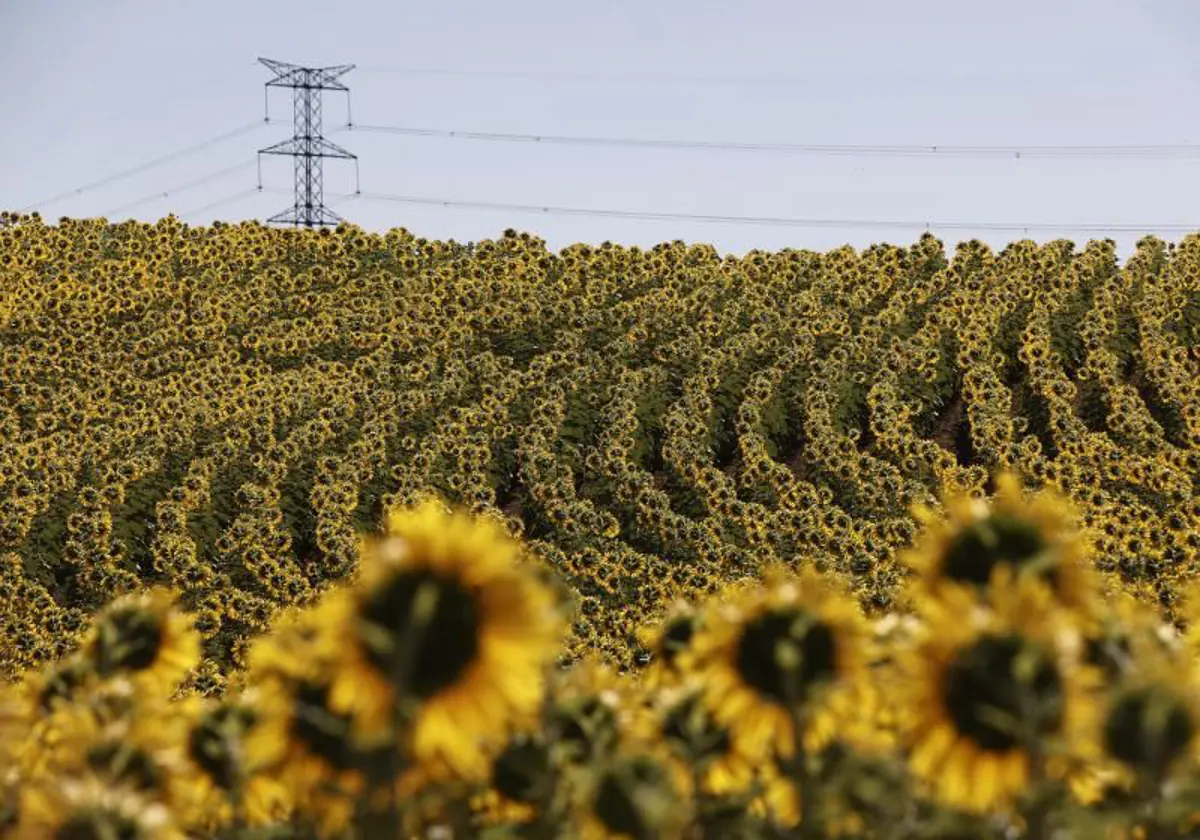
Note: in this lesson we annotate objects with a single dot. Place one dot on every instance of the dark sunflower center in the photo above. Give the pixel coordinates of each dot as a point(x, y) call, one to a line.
point(616, 804)
point(126, 764)
point(131, 643)
point(586, 727)
point(993, 541)
point(62, 683)
point(323, 732)
point(676, 637)
point(449, 637)
point(689, 726)
point(210, 742)
point(758, 655)
point(1148, 729)
point(521, 770)
point(984, 692)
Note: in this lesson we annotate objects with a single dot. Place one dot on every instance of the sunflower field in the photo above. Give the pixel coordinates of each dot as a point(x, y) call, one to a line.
point(335, 534)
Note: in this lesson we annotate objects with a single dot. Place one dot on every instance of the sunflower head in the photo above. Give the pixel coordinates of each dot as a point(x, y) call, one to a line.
point(786, 653)
point(585, 727)
point(522, 771)
point(632, 796)
point(666, 642)
point(1149, 728)
point(1151, 720)
point(219, 768)
point(1027, 535)
point(58, 683)
point(989, 684)
point(214, 742)
point(448, 628)
point(144, 637)
point(71, 807)
point(703, 746)
point(311, 748)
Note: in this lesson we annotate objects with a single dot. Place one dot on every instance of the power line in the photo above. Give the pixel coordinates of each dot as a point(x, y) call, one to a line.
point(534, 75)
point(220, 202)
point(1170, 151)
point(212, 176)
point(150, 164)
point(782, 221)
point(882, 76)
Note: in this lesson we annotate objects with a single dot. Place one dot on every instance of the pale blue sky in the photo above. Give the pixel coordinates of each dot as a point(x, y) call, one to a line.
point(93, 88)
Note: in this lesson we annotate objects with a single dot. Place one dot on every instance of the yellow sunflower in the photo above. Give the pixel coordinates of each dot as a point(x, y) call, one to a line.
point(633, 796)
point(224, 784)
point(448, 624)
point(522, 778)
point(1118, 633)
point(1150, 725)
point(985, 682)
point(310, 748)
point(590, 710)
point(665, 643)
point(706, 752)
point(138, 749)
point(144, 637)
point(794, 649)
point(1034, 535)
point(72, 807)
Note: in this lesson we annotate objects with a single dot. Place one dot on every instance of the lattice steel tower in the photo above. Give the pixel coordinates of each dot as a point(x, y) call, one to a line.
point(307, 145)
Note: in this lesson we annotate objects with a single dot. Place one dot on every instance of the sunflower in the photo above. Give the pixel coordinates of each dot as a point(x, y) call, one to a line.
point(87, 806)
point(136, 748)
point(1151, 721)
point(224, 783)
point(146, 638)
point(590, 710)
point(522, 778)
point(298, 738)
point(985, 682)
point(446, 628)
point(795, 649)
point(705, 750)
point(310, 748)
point(1033, 535)
point(1116, 635)
point(665, 642)
point(632, 796)
point(56, 684)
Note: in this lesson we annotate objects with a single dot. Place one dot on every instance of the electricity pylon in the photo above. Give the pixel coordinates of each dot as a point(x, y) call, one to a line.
point(307, 145)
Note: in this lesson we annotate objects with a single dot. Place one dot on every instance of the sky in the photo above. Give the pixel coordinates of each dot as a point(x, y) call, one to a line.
point(96, 89)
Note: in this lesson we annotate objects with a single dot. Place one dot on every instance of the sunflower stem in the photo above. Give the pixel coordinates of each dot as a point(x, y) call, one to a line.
point(403, 712)
point(1037, 810)
point(802, 776)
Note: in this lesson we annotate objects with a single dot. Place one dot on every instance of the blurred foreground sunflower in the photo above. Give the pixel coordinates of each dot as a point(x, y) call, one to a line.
point(665, 642)
point(145, 637)
point(69, 808)
point(992, 688)
point(589, 712)
point(1151, 720)
point(707, 757)
point(792, 650)
point(447, 630)
point(630, 797)
point(1031, 534)
point(225, 785)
